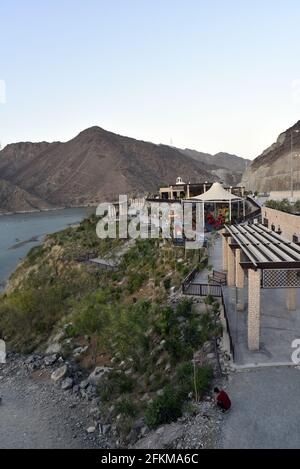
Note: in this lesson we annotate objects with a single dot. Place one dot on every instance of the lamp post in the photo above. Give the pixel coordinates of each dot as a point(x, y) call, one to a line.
point(296, 131)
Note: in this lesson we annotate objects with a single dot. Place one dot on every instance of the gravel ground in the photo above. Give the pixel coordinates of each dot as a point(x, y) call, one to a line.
point(201, 431)
point(35, 413)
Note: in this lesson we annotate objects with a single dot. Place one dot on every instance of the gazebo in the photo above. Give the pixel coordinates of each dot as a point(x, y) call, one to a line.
point(269, 261)
point(219, 206)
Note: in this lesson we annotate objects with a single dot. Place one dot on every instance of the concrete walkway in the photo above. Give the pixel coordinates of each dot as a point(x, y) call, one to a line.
point(265, 401)
point(215, 259)
point(279, 327)
point(265, 409)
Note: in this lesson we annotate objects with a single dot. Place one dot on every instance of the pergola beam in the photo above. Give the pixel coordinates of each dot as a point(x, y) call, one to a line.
point(263, 250)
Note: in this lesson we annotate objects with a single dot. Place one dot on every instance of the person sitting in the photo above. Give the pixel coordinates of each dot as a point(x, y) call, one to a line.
point(222, 399)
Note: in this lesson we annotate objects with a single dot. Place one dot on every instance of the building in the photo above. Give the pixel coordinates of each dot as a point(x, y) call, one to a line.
point(219, 206)
point(287, 224)
point(182, 190)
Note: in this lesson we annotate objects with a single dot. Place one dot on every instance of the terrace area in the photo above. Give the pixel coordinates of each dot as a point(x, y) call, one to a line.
point(279, 316)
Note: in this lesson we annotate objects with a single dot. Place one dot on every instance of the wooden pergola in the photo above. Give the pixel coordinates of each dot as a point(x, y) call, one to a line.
point(270, 261)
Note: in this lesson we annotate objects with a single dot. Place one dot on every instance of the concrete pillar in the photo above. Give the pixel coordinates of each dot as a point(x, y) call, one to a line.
point(239, 280)
point(291, 293)
point(253, 309)
point(291, 299)
point(225, 252)
point(231, 266)
point(188, 191)
point(239, 271)
point(240, 301)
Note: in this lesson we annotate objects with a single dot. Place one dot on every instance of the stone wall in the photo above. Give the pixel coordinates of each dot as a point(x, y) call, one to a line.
point(288, 223)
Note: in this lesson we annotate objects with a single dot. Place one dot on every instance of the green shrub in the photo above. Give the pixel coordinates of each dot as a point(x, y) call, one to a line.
point(34, 254)
point(167, 283)
point(135, 281)
point(209, 300)
point(187, 378)
point(184, 372)
point(165, 408)
point(184, 307)
point(127, 407)
point(204, 375)
point(175, 348)
point(115, 384)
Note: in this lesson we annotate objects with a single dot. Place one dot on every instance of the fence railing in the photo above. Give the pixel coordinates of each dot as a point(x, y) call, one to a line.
point(202, 289)
point(188, 279)
point(227, 326)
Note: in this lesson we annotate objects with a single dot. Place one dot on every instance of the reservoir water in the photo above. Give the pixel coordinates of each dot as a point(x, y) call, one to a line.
point(20, 232)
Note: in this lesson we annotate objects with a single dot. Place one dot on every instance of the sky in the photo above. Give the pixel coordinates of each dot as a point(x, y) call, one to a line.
point(218, 75)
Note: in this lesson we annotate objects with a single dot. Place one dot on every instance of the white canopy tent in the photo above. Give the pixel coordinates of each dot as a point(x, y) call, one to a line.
point(217, 194)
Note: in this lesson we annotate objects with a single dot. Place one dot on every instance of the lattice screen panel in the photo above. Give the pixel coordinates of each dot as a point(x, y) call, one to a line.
point(283, 278)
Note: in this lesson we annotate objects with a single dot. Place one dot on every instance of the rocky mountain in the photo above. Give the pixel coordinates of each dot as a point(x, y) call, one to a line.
point(227, 167)
point(13, 198)
point(270, 171)
point(94, 166)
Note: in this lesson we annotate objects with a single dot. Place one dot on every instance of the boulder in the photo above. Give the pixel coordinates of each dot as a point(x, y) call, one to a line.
point(91, 430)
point(67, 384)
point(50, 360)
point(76, 389)
point(54, 345)
point(164, 437)
point(105, 429)
point(59, 374)
point(211, 356)
point(98, 374)
point(79, 351)
point(53, 348)
point(84, 384)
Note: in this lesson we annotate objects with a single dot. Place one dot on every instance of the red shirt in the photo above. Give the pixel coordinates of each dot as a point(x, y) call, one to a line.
point(223, 398)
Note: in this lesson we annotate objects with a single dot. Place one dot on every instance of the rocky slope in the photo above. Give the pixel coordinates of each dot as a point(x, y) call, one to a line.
point(271, 170)
point(98, 165)
point(13, 199)
point(229, 168)
point(61, 418)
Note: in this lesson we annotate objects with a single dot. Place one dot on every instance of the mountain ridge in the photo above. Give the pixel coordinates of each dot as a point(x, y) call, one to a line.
point(93, 166)
point(270, 171)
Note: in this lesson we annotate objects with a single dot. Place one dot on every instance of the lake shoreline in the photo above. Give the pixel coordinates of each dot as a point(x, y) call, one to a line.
point(22, 231)
point(43, 210)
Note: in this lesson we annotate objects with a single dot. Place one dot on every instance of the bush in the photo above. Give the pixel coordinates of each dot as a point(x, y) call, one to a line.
point(165, 408)
point(167, 284)
point(175, 348)
point(204, 375)
point(184, 308)
point(209, 300)
point(114, 384)
point(127, 407)
point(187, 381)
point(135, 281)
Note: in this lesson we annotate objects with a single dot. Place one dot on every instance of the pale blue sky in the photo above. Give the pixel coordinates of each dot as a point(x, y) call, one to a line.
point(211, 75)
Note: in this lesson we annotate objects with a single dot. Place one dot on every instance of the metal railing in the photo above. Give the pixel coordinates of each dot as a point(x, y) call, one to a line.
point(227, 325)
point(202, 289)
point(188, 279)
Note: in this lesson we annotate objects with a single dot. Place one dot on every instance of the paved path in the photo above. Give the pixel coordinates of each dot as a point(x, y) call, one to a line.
point(266, 409)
